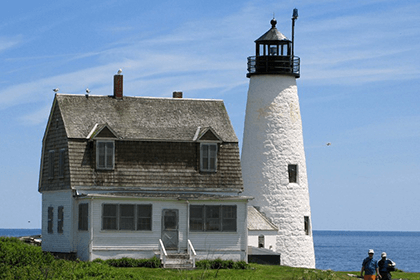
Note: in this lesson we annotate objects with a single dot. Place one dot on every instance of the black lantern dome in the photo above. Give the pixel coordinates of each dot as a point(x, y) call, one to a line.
point(273, 55)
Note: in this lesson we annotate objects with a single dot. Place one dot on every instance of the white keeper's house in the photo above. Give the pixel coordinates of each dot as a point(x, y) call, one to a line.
point(137, 177)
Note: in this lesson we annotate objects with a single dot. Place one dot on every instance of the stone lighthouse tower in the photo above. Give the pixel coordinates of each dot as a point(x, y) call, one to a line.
point(273, 156)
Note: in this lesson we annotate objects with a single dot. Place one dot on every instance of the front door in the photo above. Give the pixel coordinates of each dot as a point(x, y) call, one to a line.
point(170, 229)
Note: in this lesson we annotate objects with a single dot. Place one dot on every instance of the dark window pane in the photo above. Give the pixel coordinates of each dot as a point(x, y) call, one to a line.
point(212, 218)
point(292, 173)
point(144, 217)
point(196, 218)
point(229, 218)
point(126, 217)
point(109, 216)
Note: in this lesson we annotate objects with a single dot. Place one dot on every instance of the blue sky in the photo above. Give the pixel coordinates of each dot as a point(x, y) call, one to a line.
point(359, 88)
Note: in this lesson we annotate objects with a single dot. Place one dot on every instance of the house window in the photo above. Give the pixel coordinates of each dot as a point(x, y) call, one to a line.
point(208, 157)
point(109, 216)
point(126, 220)
point(51, 164)
point(213, 218)
point(105, 155)
point(60, 219)
point(50, 219)
point(261, 241)
point(126, 217)
point(307, 225)
point(144, 217)
point(292, 173)
point(83, 216)
point(61, 162)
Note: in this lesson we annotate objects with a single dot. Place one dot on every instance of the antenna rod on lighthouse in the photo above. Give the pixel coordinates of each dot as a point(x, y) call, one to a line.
point(294, 17)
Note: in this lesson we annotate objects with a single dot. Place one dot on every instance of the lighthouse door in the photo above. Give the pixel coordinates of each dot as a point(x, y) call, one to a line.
point(170, 229)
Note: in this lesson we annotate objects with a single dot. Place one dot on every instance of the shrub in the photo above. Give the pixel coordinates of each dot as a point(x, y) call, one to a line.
point(221, 264)
point(128, 262)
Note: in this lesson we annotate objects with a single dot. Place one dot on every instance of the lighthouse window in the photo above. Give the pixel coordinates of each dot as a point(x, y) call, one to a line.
point(306, 225)
point(292, 169)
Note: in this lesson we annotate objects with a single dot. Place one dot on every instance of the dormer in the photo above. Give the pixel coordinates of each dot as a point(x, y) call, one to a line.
point(209, 141)
point(104, 139)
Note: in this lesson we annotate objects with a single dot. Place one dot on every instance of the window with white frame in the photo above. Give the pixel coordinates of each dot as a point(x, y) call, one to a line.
point(127, 217)
point(208, 157)
point(213, 218)
point(105, 152)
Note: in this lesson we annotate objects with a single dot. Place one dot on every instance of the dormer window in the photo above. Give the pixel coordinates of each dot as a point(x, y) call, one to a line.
point(208, 157)
point(105, 154)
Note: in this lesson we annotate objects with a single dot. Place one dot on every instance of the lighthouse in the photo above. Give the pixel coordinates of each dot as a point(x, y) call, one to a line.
point(273, 157)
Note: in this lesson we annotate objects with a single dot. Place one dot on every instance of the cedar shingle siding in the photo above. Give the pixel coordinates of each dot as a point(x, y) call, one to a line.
point(155, 144)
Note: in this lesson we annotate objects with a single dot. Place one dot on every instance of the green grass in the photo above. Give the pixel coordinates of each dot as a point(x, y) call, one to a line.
point(22, 261)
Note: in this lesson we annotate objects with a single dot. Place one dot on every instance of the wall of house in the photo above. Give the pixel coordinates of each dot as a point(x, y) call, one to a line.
point(156, 165)
point(58, 242)
point(269, 238)
point(108, 244)
point(55, 139)
point(224, 245)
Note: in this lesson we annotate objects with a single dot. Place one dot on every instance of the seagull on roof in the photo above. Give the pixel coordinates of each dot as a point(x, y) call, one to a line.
point(56, 90)
point(87, 90)
point(119, 71)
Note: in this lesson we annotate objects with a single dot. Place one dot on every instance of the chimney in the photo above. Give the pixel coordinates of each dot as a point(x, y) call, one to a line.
point(118, 86)
point(177, 94)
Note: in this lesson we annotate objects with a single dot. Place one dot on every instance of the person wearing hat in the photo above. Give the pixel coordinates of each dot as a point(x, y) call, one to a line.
point(370, 267)
point(384, 267)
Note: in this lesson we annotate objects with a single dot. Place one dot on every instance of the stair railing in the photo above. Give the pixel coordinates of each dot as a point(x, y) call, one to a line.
point(191, 252)
point(163, 253)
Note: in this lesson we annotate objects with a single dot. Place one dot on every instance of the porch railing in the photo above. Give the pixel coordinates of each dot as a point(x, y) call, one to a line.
point(163, 253)
point(191, 252)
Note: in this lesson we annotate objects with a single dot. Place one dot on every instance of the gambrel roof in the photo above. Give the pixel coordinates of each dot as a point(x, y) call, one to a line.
point(144, 118)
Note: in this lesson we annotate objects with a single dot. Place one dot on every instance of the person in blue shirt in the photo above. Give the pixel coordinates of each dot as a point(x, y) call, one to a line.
point(370, 267)
point(384, 267)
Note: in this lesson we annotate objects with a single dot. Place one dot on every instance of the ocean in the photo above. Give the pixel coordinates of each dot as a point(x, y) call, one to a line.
point(340, 250)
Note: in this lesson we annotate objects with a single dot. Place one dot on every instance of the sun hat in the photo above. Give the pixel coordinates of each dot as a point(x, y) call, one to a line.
point(383, 254)
point(371, 251)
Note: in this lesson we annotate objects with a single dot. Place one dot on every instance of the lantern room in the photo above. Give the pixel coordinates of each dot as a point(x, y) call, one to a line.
point(274, 53)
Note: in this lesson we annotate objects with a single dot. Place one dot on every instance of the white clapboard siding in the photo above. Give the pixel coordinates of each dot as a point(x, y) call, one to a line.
point(58, 242)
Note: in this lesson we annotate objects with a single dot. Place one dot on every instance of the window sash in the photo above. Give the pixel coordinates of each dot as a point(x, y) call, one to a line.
point(144, 217)
point(83, 216)
point(208, 157)
point(105, 154)
point(213, 218)
point(127, 217)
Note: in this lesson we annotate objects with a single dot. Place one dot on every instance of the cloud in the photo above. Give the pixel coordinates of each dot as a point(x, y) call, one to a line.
point(7, 43)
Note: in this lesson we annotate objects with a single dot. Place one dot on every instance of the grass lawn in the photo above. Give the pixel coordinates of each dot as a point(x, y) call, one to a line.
point(260, 272)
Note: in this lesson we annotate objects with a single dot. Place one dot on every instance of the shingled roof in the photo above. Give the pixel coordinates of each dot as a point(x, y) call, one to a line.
point(144, 118)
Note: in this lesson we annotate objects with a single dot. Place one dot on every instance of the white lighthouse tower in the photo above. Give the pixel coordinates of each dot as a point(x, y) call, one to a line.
point(273, 156)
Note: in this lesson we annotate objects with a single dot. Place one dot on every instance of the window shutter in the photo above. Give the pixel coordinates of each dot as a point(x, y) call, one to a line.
point(61, 163)
point(51, 164)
